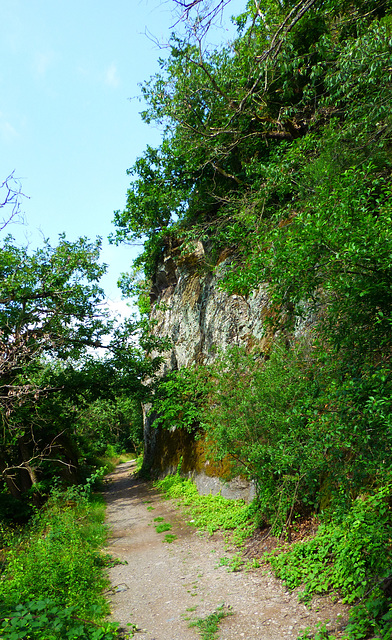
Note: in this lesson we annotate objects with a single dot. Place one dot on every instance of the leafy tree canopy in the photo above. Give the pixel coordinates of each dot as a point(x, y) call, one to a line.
point(52, 321)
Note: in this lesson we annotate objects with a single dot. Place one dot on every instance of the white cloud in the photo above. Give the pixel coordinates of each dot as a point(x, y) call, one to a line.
point(111, 76)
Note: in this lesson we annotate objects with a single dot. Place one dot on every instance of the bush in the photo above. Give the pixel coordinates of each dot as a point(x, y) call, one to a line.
point(259, 413)
point(210, 513)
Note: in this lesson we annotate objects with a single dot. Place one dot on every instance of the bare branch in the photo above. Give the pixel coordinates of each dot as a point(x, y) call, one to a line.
point(276, 43)
point(224, 173)
point(45, 455)
point(11, 199)
point(203, 20)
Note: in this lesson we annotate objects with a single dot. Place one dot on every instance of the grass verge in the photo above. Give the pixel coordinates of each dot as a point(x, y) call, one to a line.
point(210, 513)
point(54, 576)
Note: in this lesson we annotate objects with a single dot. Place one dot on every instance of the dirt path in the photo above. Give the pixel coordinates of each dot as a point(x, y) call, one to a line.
point(163, 584)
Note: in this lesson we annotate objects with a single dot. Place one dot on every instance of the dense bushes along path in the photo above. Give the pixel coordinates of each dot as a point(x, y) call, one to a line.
point(163, 586)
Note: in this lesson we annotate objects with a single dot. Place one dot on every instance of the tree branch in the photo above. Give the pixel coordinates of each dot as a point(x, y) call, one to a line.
point(12, 199)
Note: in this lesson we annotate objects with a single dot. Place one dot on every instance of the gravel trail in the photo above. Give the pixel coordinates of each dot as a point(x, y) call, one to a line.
point(163, 586)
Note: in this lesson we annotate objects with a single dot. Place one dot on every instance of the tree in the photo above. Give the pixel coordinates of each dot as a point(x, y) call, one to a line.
point(220, 110)
point(206, 14)
point(50, 308)
point(52, 321)
point(50, 305)
point(284, 147)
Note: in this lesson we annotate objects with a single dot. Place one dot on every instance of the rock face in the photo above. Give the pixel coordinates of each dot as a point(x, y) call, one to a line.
point(201, 319)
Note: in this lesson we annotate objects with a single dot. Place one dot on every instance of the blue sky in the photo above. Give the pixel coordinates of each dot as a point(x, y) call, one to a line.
point(69, 111)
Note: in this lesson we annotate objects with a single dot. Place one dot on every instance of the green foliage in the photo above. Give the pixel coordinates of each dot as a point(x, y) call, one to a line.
point(235, 563)
point(52, 582)
point(225, 112)
point(212, 512)
point(208, 627)
point(353, 558)
point(170, 537)
point(278, 148)
point(179, 398)
point(45, 620)
point(58, 559)
point(307, 434)
point(314, 437)
point(134, 284)
point(117, 422)
point(260, 413)
point(50, 298)
point(60, 404)
point(248, 149)
point(336, 255)
point(48, 311)
point(361, 84)
point(321, 633)
point(164, 526)
point(151, 205)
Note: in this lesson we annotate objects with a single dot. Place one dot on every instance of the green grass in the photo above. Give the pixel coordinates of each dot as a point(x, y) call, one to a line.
point(235, 563)
point(170, 537)
point(208, 627)
point(164, 526)
point(210, 513)
point(54, 576)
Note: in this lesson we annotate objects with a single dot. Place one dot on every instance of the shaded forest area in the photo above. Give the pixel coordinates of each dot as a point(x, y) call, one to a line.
point(276, 151)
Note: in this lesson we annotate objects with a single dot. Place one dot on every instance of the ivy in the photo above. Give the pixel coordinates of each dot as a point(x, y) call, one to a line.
point(179, 398)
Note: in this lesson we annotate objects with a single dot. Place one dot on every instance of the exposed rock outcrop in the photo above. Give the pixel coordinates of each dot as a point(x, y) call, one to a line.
point(190, 307)
point(200, 318)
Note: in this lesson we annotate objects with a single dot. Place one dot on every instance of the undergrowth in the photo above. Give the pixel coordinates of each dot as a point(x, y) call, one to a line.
point(351, 557)
point(210, 513)
point(164, 526)
point(53, 578)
